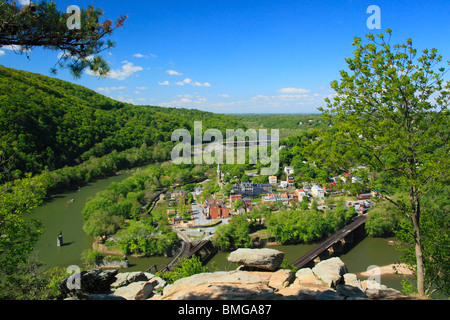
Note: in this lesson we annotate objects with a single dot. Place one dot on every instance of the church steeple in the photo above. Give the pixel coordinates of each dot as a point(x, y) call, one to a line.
point(218, 174)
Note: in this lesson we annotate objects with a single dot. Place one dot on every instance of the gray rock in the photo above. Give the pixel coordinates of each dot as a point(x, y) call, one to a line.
point(329, 295)
point(92, 281)
point(349, 291)
point(140, 290)
point(352, 280)
point(105, 297)
point(267, 259)
point(305, 275)
point(124, 279)
point(330, 271)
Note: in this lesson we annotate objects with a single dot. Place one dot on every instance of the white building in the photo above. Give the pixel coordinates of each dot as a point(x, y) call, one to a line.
point(288, 170)
point(317, 192)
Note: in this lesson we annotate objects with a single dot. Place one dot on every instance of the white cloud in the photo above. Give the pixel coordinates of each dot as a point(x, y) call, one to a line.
point(127, 70)
point(140, 55)
point(174, 73)
point(185, 81)
point(165, 83)
point(107, 90)
point(24, 2)
point(193, 83)
point(293, 90)
point(14, 47)
point(141, 88)
point(224, 95)
point(2, 53)
point(185, 101)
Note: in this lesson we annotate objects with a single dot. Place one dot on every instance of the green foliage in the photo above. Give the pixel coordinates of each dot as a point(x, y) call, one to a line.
point(91, 257)
point(53, 124)
point(305, 226)
point(435, 226)
point(382, 220)
point(18, 233)
point(288, 124)
point(187, 268)
point(41, 24)
point(138, 238)
point(233, 235)
point(28, 282)
point(391, 114)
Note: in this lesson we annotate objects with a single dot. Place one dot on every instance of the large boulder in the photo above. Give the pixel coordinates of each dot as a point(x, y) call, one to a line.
point(125, 278)
point(330, 271)
point(305, 276)
point(140, 290)
point(84, 283)
point(281, 279)
point(219, 285)
point(267, 259)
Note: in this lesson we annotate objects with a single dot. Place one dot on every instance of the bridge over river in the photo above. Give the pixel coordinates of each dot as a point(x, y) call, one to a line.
point(336, 239)
point(331, 244)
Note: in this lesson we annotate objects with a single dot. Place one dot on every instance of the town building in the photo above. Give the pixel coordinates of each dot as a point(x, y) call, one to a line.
point(248, 188)
point(285, 198)
point(273, 180)
point(218, 211)
point(288, 170)
point(300, 194)
point(234, 198)
point(317, 192)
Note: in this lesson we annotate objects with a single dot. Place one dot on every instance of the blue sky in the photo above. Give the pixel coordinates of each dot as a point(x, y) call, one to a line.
point(240, 56)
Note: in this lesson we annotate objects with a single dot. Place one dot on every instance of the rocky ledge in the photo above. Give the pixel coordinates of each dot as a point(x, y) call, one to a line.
point(327, 280)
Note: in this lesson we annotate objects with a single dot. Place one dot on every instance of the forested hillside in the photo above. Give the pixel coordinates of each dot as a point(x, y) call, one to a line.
point(46, 123)
point(288, 124)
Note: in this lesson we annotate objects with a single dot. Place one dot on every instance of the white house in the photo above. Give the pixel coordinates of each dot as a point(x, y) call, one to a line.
point(273, 180)
point(317, 192)
point(288, 170)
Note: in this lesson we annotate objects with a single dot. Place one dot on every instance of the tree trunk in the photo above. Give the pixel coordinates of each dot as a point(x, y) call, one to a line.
point(419, 256)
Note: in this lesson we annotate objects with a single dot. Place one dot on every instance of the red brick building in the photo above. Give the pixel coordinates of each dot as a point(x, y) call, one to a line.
point(218, 211)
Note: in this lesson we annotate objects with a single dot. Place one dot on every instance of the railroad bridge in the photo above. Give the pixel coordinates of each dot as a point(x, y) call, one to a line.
point(203, 249)
point(333, 244)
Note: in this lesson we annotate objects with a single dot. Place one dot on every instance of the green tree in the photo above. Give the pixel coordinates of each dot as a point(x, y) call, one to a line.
point(102, 223)
point(381, 220)
point(187, 268)
point(41, 24)
point(238, 203)
point(435, 224)
point(391, 114)
point(18, 232)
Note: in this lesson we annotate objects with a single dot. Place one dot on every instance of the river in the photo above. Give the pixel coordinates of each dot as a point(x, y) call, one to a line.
point(58, 214)
point(62, 214)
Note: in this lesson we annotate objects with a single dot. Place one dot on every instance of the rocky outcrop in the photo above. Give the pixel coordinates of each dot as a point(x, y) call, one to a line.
point(328, 280)
point(82, 284)
point(266, 259)
point(111, 285)
point(330, 271)
point(140, 290)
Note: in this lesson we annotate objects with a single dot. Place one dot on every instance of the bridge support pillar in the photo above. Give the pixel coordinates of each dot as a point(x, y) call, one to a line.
point(349, 238)
point(338, 247)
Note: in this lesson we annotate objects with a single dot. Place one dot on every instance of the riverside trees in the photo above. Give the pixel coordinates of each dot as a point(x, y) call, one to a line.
point(391, 114)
